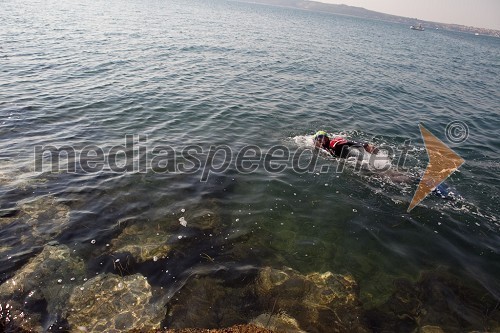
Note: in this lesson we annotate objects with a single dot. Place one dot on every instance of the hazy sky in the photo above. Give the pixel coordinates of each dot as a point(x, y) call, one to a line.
point(478, 13)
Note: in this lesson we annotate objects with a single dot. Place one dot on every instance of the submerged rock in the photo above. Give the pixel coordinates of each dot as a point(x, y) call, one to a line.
point(17, 175)
point(36, 222)
point(143, 242)
point(43, 284)
point(204, 218)
point(110, 302)
point(318, 302)
point(437, 302)
point(147, 241)
point(232, 329)
point(431, 329)
point(4, 249)
point(206, 302)
point(278, 323)
point(282, 300)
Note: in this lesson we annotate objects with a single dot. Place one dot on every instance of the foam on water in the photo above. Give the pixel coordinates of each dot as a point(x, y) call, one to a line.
point(383, 177)
point(304, 141)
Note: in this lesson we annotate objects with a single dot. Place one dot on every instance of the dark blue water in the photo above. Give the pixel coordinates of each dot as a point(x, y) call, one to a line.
point(232, 74)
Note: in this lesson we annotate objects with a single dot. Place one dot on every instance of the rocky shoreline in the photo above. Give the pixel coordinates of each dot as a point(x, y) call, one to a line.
point(59, 289)
point(272, 300)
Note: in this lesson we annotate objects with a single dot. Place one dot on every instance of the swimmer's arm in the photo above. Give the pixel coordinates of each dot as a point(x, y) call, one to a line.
point(370, 148)
point(367, 146)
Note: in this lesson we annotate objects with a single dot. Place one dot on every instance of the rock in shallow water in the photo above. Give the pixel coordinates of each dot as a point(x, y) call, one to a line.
point(431, 329)
point(318, 302)
point(284, 300)
point(204, 218)
point(437, 302)
point(278, 323)
point(46, 282)
point(110, 302)
point(36, 222)
point(206, 302)
point(232, 329)
point(143, 242)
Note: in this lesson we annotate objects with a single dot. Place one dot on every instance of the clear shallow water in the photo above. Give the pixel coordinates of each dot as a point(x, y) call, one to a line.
point(227, 73)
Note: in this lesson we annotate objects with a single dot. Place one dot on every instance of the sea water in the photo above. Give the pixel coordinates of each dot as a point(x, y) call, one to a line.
point(222, 76)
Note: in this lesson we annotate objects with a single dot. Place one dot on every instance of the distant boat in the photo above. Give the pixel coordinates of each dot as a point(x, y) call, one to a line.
point(477, 34)
point(419, 27)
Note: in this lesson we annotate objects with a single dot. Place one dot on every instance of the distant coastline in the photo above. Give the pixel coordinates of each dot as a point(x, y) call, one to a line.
point(373, 15)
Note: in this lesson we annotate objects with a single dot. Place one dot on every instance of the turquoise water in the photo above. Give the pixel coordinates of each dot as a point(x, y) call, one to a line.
point(227, 73)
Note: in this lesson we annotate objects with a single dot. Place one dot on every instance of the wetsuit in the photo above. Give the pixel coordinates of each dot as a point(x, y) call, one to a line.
point(341, 147)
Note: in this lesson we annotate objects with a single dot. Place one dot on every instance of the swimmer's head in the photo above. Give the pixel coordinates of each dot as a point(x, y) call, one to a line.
point(321, 138)
point(319, 135)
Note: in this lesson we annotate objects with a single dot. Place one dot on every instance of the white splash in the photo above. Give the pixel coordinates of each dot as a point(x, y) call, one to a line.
point(304, 141)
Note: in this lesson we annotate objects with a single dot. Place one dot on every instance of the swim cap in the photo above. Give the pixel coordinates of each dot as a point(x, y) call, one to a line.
point(318, 133)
